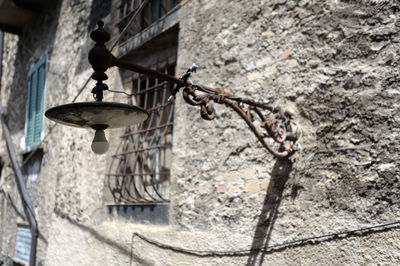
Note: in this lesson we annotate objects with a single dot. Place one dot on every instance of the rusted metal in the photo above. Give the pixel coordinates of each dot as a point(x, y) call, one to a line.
point(134, 181)
point(138, 172)
point(278, 123)
point(26, 202)
point(129, 180)
point(144, 70)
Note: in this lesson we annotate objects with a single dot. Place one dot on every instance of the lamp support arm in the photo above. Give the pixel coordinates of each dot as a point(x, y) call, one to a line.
point(278, 124)
point(144, 70)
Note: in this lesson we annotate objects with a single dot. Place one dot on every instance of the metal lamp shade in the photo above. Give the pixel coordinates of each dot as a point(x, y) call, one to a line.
point(89, 114)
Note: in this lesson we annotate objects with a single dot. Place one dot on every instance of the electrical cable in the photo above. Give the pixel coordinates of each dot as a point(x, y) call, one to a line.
point(276, 247)
point(131, 256)
point(129, 23)
point(178, 6)
point(127, 94)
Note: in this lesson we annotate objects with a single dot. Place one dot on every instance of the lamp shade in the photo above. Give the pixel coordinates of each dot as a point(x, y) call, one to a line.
point(89, 114)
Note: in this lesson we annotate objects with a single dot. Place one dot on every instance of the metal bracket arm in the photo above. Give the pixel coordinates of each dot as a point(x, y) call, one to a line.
point(278, 124)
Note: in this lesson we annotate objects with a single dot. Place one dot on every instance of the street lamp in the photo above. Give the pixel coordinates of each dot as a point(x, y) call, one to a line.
point(101, 115)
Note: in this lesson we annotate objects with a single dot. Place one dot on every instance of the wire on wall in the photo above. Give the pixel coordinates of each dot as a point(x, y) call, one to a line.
point(268, 249)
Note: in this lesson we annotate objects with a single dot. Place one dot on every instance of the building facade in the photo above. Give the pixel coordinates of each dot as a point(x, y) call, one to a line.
point(181, 190)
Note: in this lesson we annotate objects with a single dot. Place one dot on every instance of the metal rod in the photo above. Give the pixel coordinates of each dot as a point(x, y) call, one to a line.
point(3, 215)
point(140, 150)
point(18, 174)
point(144, 70)
point(163, 76)
point(28, 208)
point(169, 124)
point(1, 56)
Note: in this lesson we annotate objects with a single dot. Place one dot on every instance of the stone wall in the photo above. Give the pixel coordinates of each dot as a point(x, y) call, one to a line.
point(66, 187)
point(332, 63)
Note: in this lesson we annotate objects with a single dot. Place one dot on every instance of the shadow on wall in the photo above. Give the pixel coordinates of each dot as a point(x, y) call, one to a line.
point(122, 249)
point(279, 176)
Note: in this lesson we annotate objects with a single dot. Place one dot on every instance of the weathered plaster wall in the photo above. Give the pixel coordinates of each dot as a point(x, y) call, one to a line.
point(66, 186)
point(20, 54)
point(332, 63)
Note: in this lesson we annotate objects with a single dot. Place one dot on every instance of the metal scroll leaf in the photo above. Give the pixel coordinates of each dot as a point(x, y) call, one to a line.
point(277, 124)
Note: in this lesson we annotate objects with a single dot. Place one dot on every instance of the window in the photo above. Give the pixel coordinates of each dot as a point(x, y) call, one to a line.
point(22, 248)
point(35, 106)
point(152, 12)
point(33, 165)
point(140, 169)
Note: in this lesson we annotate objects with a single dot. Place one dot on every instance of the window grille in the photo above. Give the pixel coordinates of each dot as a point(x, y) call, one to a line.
point(35, 107)
point(140, 169)
point(153, 11)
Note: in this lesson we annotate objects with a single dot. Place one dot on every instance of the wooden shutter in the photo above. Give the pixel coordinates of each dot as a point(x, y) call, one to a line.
point(22, 244)
point(35, 108)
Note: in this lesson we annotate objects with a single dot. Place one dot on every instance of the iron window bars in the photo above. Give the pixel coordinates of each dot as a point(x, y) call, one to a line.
point(152, 12)
point(140, 169)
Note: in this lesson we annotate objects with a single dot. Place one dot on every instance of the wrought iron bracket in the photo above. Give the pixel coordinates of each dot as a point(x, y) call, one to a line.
point(278, 123)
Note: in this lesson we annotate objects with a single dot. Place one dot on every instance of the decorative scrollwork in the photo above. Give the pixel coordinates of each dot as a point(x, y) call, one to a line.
point(278, 124)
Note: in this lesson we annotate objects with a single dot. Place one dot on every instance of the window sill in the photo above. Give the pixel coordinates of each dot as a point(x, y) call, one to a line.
point(153, 213)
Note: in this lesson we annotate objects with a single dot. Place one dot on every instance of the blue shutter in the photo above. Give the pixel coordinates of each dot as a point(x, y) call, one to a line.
point(28, 112)
point(35, 108)
point(31, 109)
point(23, 241)
point(39, 103)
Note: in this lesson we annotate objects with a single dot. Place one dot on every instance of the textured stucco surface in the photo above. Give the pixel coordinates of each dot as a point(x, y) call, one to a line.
point(332, 63)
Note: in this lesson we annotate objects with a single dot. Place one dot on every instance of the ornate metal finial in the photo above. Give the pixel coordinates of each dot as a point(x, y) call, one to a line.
point(100, 36)
point(101, 59)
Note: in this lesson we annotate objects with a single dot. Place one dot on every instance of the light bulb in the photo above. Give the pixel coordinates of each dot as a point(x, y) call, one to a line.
point(100, 144)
